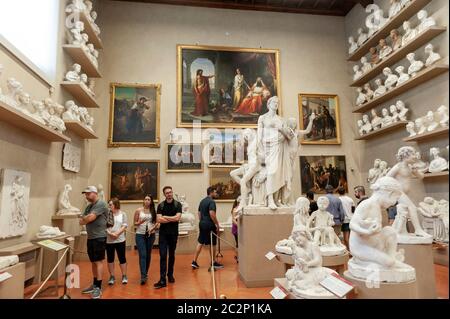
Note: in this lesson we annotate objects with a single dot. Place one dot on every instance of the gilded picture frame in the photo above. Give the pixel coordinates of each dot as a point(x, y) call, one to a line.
point(219, 177)
point(134, 117)
point(223, 99)
point(326, 126)
point(188, 155)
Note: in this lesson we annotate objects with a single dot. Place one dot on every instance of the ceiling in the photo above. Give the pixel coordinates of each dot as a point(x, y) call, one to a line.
point(320, 7)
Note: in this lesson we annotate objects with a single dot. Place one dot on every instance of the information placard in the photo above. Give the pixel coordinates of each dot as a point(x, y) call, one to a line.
point(278, 293)
point(337, 285)
point(51, 244)
point(270, 255)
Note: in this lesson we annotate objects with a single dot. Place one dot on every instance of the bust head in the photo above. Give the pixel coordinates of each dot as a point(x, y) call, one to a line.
point(94, 15)
point(13, 85)
point(70, 105)
point(411, 56)
point(394, 34)
point(363, 60)
point(378, 82)
point(38, 105)
point(387, 190)
point(85, 37)
point(400, 105)
point(79, 25)
point(434, 152)
point(356, 68)
point(429, 200)
point(322, 203)
point(406, 26)
point(367, 87)
point(91, 48)
point(407, 154)
point(89, 5)
point(374, 113)
point(360, 123)
point(385, 112)
point(422, 14)
point(430, 116)
point(302, 205)
point(365, 118)
point(400, 69)
point(393, 109)
point(382, 43)
point(373, 50)
point(383, 165)
point(359, 90)
point(376, 163)
point(387, 71)
point(410, 126)
point(272, 103)
point(76, 68)
point(443, 110)
point(24, 98)
point(84, 78)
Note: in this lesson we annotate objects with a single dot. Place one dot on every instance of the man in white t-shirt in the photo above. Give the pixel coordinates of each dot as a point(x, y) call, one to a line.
point(349, 208)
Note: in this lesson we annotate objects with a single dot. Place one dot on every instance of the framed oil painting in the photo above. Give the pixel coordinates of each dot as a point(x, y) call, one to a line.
point(226, 148)
point(184, 158)
point(316, 172)
point(134, 115)
point(224, 86)
point(132, 180)
point(227, 189)
point(326, 128)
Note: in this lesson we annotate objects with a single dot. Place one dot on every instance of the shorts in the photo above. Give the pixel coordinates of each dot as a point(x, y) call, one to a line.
point(96, 249)
point(345, 227)
point(204, 236)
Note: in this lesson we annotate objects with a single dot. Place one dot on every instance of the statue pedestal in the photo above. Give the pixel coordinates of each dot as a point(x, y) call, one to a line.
point(421, 258)
point(382, 290)
point(13, 287)
point(80, 253)
point(260, 228)
point(337, 263)
point(69, 224)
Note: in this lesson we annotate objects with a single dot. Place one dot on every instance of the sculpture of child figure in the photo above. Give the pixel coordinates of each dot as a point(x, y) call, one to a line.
point(374, 247)
point(305, 277)
point(320, 224)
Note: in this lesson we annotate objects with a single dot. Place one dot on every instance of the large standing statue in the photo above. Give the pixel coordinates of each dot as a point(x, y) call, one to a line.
point(374, 247)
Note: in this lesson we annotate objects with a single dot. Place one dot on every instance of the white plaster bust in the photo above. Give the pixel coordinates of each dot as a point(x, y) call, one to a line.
point(438, 163)
point(362, 37)
point(368, 90)
point(402, 110)
point(402, 76)
point(415, 65)
point(396, 39)
point(24, 103)
point(64, 206)
point(432, 56)
point(49, 232)
point(91, 86)
point(425, 21)
point(93, 54)
point(431, 122)
point(374, 247)
point(366, 66)
point(70, 113)
point(74, 74)
point(410, 129)
point(83, 114)
point(55, 120)
point(410, 33)
point(395, 8)
point(374, 172)
point(361, 98)
point(384, 169)
point(76, 31)
point(76, 6)
point(375, 21)
point(442, 112)
point(385, 49)
point(13, 90)
point(367, 126)
point(391, 78)
point(357, 71)
point(96, 28)
point(420, 165)
point(360, 127)
point(393, 110)
point(41, 112)
point(353, 45)
point(376, 121)
point(320, 225)
point(420, 125)
point(429, 207)
point(89, 6)
point(387, 119)
point(380, 90)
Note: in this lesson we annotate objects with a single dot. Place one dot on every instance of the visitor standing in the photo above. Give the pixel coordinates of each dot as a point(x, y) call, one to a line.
point(360, 193)
point(335, 208)
point(349, 208)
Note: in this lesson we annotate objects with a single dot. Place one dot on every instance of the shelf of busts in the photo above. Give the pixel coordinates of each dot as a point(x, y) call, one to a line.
point(406, 13)
point(79, 56)
point(423, 38)
point(80, 129)
point(80, 93)
point(26, 123)
point(427, 135)
point(435, 175)
point(89, 29)
point(421, 77)
point(380, 131)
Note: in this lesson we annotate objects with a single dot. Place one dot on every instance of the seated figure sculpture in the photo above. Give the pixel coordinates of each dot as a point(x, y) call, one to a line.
point(64, 206)
point(438, 163)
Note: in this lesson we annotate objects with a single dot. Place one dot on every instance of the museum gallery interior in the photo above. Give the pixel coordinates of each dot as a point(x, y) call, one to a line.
point(222, 149)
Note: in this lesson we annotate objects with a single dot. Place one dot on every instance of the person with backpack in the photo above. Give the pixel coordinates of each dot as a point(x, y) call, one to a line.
point(95, 217)
point(115, 241)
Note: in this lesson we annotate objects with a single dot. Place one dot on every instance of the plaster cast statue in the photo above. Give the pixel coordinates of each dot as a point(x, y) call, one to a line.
point(14, 88)
point(374, 247)
point(367, 126)
point(74, 74)
point(360, 125)
point(357, 72)
point(395, 8)
point(374, 172)
point(320, 224)
point(24, 103)
point(393, 110)
point(84, 80)
point(75, 32)
point(391, 79)
point(410, 33)
point(425, 21)
point(89, 6)
point(420, 165)
point(431, 122)
point(369, 91)
point(8, 261)
point(93, 54)
point(402, 110)
point(376, 121)
point(380, 90)
point(71, 158)
point(93, 17)
point(387, 119)
point(101, 192)
point(303, 280)
point(76, 6)
point(415, 65)
point(374, 57)
point(83, 114)
point(55, 121)
point(442, 112)
point(362, 37)
point(432, 56)
point(361, 98)
point(438, 163)
point(49, 232)
point(385, 49)
point(353, 45)
point(91, 87)
point(384, 169)
point(41, 113)
point(64, 206)
point(375, 21)
point(301, 216)
point(402, 76)
point(89, 122)
point(70, 113)
point(366, 66)
point(436, 212)
point(396, 40)
point(420, 125)
point(404, 173)
point(187, 221)
point(410, 129)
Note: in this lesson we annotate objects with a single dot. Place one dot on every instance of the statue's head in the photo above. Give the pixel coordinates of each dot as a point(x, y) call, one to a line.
point(248, 134)
point(428, 48)
point(406, 26)
point(411, 56)
point(407, 154)
point(400, 104)
point(442, 109)
point(302, 205)
point(410, 126)
point(434, 151)
point(387, 71)
point(422, 14)
point(272, 103)
point(388, 191)
point(383, 165)
point(429, 200)
point(376, 163)
point(322, 203)
point(400, 69)
point(301, 235)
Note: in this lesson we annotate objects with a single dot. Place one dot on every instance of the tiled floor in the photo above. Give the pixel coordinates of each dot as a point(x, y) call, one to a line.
point(192, 283)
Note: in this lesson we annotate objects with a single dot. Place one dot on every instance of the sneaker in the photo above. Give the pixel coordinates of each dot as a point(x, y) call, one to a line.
point(171, 279)
point(111, 280)
point(124, 279)
point(96, 293)
point(195, 265)
point(160, 284)
point(217, 265)
point(88, 290)
point(143, 281)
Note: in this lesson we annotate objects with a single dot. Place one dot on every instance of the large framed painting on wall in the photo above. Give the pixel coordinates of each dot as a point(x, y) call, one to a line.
point(225, 86)
point(132, 180)
point(134, 115)
point(316, 172)
point(227, 189)
point(326, 126)
point(184, 158)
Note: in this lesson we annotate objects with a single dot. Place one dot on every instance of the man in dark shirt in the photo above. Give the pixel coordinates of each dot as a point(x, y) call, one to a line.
point(168, 215)
point(208, 224)
point(360, 193)
point(312, 203)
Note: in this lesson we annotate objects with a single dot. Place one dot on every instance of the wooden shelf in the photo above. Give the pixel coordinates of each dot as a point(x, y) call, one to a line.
point(80, 129)
point(406, 13)
point(423, 38)
point(80, 93)
point(421, 77)
point(22, 121)
point(79, 56)
point(89, 29)
point(380, 131)
point(433, 175)
point(428, 135)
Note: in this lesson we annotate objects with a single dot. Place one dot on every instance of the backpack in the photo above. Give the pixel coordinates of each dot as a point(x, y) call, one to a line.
point(109, 219)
